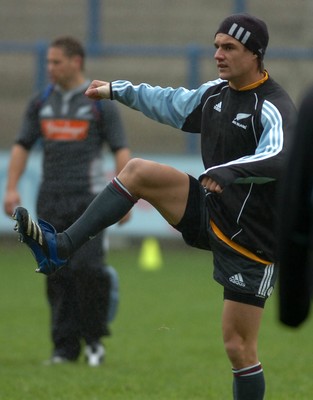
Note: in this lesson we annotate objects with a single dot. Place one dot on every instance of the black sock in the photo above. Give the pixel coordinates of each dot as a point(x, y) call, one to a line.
point(105, 210)
point(249, 383)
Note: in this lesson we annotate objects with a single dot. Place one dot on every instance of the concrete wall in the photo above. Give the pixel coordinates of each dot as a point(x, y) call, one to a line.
point(145, 22)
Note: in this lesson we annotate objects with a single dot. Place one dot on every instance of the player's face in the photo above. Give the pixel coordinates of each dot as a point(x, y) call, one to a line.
point(62, 69)
point(235, 62)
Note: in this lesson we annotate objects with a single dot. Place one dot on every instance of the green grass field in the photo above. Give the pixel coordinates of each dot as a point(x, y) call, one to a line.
point(166, 341)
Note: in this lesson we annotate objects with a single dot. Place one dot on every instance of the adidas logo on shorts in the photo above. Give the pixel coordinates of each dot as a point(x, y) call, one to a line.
point(237, 279)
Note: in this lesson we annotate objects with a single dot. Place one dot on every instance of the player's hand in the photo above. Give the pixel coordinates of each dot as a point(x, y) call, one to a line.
point(98, 90)
point(211, 185)
point(11, 201)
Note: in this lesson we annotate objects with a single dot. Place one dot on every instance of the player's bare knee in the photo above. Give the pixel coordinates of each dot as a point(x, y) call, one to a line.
point(136, 170)
point(134, 175)
point(240, 353)
point(234, 348)
point(236, 351)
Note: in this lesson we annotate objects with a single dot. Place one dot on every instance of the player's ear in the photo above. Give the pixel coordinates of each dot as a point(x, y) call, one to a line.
point(78, 61)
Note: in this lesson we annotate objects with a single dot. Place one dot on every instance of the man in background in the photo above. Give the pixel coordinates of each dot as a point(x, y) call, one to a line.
point(73, 130)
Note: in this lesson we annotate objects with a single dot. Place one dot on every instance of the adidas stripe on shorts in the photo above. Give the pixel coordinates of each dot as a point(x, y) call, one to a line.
point(250, 281)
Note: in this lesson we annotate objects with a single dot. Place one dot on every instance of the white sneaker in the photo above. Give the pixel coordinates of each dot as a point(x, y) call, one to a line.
point(94, 354)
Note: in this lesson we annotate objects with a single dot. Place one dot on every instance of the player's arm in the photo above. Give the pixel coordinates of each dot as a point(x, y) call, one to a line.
point(17, 163)
point(115, 136)
point(28, 135)
point(122, 156)
point(265, 165)
point(170, 106)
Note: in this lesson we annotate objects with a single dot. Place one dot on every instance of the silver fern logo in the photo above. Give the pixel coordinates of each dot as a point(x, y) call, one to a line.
point(238, 120)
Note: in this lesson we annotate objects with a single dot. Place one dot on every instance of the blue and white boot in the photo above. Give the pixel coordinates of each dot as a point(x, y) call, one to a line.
point(41, 239)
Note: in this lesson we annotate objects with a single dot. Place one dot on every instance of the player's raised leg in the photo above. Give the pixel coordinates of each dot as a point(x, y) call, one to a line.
point(162, 186)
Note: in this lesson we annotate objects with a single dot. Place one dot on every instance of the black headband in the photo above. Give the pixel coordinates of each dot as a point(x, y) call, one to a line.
point(248, 30)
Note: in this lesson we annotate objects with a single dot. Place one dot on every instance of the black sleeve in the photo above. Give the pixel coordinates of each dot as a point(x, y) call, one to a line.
point(30, 129)
point(112, 127)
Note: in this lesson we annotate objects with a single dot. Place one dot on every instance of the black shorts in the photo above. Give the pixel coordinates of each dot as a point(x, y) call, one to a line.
point(244, 280)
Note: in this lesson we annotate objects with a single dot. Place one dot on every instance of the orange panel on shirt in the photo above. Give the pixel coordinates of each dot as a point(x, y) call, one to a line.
point(64, 129)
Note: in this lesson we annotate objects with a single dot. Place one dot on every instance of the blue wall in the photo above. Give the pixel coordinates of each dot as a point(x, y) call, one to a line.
point(145, 220)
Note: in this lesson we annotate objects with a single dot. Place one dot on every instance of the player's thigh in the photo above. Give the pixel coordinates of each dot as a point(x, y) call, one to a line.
point(161, 185)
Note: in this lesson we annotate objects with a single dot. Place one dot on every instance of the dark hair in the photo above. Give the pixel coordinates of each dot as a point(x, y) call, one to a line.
point(71, 47)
